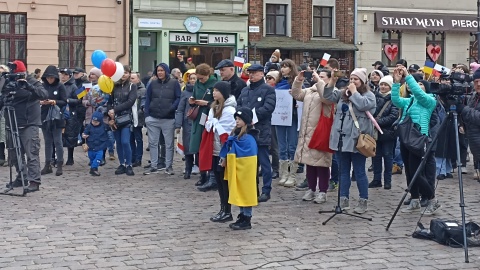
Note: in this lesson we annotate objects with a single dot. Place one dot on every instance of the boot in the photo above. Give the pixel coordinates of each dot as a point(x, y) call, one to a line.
point(211, 184)
point(245, 224)
point(292, 175)
point(224, 215)
point(396, 169)
point(47, 169)
point(59, 168)
point(188, 172)
point(2, 154)
point(70, 157)
point(283, 172)
point(203, 179)
point(219, 214)
point(239, 220)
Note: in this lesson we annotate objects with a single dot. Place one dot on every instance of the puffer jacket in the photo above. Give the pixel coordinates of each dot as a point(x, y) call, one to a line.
point(471, 118)
point(70, 87)
point(422, 106)
point(97, 136)
point(124, 96)
point(56, 91)
point(389, 116)
point(313, 105)
point(141, 91)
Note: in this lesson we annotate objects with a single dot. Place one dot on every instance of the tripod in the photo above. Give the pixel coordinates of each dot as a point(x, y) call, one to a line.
point(14, 144)
point(338, 209)
point(451, 114)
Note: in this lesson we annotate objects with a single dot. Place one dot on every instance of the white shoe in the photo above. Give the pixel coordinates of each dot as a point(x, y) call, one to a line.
point(195, 170)
point(414, 206)
point(432, 207)
point(361, 207)
point(321, 197)
point(464, 170)
point(344, 203)
point(309, 195)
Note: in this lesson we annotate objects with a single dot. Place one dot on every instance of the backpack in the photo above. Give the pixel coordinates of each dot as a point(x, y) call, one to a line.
point(449, 232)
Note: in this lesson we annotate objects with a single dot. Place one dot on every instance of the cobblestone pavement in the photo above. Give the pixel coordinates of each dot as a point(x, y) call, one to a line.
point(162, 222)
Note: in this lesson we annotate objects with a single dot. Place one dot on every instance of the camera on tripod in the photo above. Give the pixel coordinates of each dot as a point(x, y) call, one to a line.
point(10, 76)
point(12, 82)
point(459, 85)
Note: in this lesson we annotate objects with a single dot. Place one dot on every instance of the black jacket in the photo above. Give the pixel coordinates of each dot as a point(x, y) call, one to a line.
point(260, 96)
point(141, 92)
point(55, 91)
point(124, 95)
point(25, 101)
point(389, 116)
point(70, 87)
point(79, 82)
point(237, 85)
point(471, 118)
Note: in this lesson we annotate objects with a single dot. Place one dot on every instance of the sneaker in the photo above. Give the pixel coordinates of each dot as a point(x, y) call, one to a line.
point(361, 207)
point(94, 172)
point(344, 203)
point(309, 195)
point(407, 201)
point(302, 186)
point(148, 166)
point(397, 169)
point(17, 183)
point(300, 169)
point(264, 197)
point(111, 156)
point(169, 171)
point(195, 170)
point(321, 198)
point(129, 171)
point(121, 170)
point(161, 167)
point(441, 177)
point(332, 186)
point(137, 164)
point(375, 184)
point(103, 162)
point(423, 202)
point(464, 170)
point(150, 171)
point(34, 186)
point(414, 206)
point(432, 207)
point(387, 186)
point(449, 175)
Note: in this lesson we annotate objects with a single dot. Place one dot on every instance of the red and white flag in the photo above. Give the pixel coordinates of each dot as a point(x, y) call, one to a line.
point(239, 61)
point(325, 59)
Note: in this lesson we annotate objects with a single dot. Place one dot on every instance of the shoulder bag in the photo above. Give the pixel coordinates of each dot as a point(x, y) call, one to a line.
point(192, 113)
point(321, 136)
point(410, 135)
point(124, 119)
point(366, 144)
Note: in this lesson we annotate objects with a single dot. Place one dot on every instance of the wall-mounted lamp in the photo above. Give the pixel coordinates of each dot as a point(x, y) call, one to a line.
point(365, 17)
point(33, 5)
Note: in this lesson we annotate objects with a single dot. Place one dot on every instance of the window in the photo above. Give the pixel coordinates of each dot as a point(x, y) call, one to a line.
point(13, 37)
point(71, 39)
point(473, 48)
point(276, 20)
point(322, 21)
point(435, 47)
point(391, 47)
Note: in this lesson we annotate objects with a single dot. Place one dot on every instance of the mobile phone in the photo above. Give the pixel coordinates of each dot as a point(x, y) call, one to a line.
point(181, 52)
point(339, 73)
point(308, 75)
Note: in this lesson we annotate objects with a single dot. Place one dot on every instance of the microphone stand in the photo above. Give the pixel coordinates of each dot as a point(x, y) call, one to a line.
point(338, 209)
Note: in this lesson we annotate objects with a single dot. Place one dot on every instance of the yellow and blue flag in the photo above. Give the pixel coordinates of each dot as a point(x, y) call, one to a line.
point(428, 68)
point(81, 92)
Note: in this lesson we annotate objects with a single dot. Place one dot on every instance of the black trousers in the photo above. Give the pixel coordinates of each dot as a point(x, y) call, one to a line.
point(222, 184)
point(411, 162)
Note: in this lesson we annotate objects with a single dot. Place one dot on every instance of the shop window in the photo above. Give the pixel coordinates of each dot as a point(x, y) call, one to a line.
point(276, 20)
point(473, 57)
point(435, 50)
point(13, 37)
point(391, 47)
point(71, 39)
point(322, 21)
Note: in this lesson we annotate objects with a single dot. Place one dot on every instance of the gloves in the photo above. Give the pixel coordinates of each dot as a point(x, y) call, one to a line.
point(460, 108)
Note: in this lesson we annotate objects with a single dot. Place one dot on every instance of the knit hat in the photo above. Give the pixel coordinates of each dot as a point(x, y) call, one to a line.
point(379, 73)
point(417, 77)
point(426, 84)
point(476, 75)
point(388, 80)
point(20, 66)
point(275, 74)
point(95, 71)
point(164, 67)
point(223, 87)
point(361, 73)
point(276, 53)
point(402, 62)
point(97, 116)
point(245, 114)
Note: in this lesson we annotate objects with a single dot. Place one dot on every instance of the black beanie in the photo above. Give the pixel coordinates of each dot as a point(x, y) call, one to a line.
point(402, 62)
point(476, 75)
point(223, 87)
point(426, 84)
point(417, 76)
point(245, 114)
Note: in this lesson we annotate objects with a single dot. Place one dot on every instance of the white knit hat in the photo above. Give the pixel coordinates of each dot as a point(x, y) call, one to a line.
point(379, 73)
point(388, 80)
point(361, 73)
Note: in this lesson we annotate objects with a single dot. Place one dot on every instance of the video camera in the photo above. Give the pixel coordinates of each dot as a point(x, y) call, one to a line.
point(12, 80)
point(10, 76)
point(459, 85)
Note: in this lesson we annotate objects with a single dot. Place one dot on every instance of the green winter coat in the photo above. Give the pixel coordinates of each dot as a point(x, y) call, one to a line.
point(199, 90)
point(422, 107)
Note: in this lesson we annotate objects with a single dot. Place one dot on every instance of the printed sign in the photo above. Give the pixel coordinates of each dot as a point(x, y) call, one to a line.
point(183, 37)
point(282, 115)
point(423, 21)
point(150, 23)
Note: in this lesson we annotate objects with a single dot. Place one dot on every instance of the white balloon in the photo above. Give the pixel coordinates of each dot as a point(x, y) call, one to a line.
point(118, 72)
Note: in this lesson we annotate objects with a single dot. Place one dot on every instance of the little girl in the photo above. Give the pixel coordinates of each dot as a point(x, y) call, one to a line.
point(239, 157)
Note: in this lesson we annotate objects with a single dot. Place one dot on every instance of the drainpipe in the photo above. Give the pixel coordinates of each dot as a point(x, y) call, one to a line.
point(355, 29)
point(124, 51)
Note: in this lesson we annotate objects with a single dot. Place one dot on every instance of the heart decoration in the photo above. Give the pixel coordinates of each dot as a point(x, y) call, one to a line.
point(391, 51)
point(434, 52)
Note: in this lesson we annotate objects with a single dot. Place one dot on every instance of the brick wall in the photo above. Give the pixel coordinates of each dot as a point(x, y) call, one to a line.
point(255, 18)
point(344, 27)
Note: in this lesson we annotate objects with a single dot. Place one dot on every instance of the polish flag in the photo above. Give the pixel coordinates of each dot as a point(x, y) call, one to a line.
point(239, 61)
point(325, 59)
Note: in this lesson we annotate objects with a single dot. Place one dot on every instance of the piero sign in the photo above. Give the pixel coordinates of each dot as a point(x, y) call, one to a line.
point(426, 22)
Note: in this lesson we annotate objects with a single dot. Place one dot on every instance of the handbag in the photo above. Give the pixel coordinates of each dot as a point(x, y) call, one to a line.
point(123, 120)
point(410, 135)
point(388, 134)
point(192, 113)
point(366, 144)
point(321, 136)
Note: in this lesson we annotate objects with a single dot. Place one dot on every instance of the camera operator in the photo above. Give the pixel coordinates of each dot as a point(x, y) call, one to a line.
point(24, 94)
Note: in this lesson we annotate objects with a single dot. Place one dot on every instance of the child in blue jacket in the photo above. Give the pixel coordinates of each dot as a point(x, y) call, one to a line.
point(97, 140)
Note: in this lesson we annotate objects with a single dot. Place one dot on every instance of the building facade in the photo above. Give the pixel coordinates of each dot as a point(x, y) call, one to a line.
point(443, 32)
point(303, 30)
point(206, 31)
point(62, 33)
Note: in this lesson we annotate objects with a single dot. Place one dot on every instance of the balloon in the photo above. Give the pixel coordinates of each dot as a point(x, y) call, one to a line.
point(108, 67)
point(118, 72)
point(97, 97)
point(105, 83)
point(97, 58)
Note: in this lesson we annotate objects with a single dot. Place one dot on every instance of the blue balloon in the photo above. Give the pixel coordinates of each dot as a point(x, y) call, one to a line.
point(97, 58)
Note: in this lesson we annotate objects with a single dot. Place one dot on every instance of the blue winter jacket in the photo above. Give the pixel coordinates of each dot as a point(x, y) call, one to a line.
point(98, 138)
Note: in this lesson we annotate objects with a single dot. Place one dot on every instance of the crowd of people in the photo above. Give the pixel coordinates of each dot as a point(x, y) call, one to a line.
point(225, 123)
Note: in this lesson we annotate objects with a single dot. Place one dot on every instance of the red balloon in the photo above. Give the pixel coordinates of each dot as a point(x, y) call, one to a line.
point(108, 67)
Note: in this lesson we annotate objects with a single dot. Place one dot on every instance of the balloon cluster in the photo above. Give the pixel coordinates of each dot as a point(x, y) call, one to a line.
point(112, 71)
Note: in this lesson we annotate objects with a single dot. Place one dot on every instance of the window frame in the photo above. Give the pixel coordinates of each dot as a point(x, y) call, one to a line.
point(275, 15)
point(473, 52)
point(13, 37)
point(321, 17)
point(435, 41)
point(397, 41)
point(71, 40)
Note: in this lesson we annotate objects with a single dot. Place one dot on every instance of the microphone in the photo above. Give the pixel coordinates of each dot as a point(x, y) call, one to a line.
point(344, 107)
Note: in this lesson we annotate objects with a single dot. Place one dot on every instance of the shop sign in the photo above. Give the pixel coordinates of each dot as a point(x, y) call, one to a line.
point(183, 37)
point(254, 29)
point(427, 22)
point(221, 39)
point(192, 24)
point(150, 23)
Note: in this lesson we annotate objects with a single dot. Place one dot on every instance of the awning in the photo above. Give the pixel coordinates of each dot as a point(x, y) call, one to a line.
point(288, 43)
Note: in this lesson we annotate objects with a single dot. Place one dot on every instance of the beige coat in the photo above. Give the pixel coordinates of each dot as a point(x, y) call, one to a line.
point(313, 104)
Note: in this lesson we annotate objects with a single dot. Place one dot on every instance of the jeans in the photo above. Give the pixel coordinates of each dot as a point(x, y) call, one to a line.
point(274, 151)
point(384, 150)
point(167, 128)
point(30, 147)
point(397, 159)
point(264, 162)
point(111, 142)
point(124, 150)
point(320, 175)
point(346, 160)
point(287, 140)
point(53, 137)
point(443, 165)
point(421, 184)
point(95, 158)
point(246, 211)
point(136, 141)
point(334, 171)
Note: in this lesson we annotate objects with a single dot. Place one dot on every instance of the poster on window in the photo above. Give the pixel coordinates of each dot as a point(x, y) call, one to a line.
point(282, 115)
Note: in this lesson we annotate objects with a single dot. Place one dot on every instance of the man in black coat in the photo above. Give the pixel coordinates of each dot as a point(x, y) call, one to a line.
point(79, 76)
point(261, 97)
point(227, 72)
